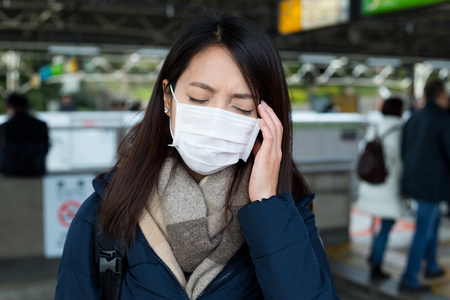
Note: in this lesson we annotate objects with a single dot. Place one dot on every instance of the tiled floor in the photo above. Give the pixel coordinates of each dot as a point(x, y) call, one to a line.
point(350, 260)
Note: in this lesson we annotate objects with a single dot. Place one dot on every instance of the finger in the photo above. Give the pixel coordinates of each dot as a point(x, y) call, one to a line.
point(268, 133)
point(275, 124)
point(276, 121)
point(267, 150)
point(264, 113)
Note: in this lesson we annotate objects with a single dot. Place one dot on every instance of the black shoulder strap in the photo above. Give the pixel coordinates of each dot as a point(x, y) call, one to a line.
point(110, 259)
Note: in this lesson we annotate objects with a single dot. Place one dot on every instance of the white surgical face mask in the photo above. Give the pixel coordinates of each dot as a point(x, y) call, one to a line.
point(212, 139)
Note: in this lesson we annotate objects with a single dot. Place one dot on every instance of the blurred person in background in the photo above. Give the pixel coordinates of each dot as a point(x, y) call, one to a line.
point(447, 210)
point(384, 200)
point(24, 140)
point(206, 195)
point(67, 104)
point(426, 153)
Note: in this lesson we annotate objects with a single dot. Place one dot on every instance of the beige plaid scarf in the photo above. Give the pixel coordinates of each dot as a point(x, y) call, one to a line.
point(189, 227)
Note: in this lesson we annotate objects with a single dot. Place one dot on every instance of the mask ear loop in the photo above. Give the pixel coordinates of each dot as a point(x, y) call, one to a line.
point(170, 122)
point(173, 94)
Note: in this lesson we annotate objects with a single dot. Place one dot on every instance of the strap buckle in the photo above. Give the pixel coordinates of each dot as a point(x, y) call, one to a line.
point(110, 260)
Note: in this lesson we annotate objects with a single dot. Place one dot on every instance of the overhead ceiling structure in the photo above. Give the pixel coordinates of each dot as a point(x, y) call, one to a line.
point(128, 25)
point(418, 33)
point(114, 25)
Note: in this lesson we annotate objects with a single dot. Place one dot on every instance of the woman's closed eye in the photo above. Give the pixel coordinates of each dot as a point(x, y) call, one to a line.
point(238, 109)
point(197, 101)
point(244, 111)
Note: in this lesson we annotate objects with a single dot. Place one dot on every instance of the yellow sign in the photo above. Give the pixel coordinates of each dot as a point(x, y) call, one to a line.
point(289, 16)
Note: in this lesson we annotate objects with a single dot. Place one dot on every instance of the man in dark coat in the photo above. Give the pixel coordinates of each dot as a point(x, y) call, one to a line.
point(426, 157)
point(24, 140)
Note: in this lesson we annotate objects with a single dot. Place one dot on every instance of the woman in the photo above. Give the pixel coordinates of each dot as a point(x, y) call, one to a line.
point(384, 200)
point(205, 204)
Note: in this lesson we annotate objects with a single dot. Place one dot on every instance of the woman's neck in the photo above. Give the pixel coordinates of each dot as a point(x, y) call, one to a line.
point(197, 177)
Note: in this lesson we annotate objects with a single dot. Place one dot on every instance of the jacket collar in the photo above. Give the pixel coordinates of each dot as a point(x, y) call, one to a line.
point(305, 201)
point(430, 104)
point(101, 182)
point(21, 114)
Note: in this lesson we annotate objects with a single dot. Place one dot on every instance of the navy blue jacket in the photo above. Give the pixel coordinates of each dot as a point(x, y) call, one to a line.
point(283, 258)
point(426, 155)
point(24, 145)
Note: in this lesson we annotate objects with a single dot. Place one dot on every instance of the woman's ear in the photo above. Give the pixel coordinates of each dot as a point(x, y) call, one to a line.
point(167, 97)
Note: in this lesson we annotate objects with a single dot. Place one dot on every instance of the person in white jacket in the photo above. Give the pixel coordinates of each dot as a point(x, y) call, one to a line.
point(384, 200)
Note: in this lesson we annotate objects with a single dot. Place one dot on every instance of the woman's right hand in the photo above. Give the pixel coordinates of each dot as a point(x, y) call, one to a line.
point(264, 177)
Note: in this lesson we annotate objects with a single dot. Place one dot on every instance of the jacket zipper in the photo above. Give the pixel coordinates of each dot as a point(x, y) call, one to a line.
point(218, 282)
point(152, 252)
point(236, 266)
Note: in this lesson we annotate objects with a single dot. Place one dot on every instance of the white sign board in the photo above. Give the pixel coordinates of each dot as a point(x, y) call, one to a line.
point(81, 148)
point(62, 196)
point(321, 13)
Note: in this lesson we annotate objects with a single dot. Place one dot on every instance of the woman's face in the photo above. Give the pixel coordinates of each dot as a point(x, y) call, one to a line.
point(214, 80)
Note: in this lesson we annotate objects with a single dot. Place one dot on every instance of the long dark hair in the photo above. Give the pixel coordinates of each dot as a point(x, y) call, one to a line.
point(144, 150)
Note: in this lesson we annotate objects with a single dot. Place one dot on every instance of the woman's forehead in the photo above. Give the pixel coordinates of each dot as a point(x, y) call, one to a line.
point(215, 69)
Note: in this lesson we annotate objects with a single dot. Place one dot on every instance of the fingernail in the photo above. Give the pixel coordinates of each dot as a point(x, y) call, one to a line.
point(262, 106)
point(264, 103)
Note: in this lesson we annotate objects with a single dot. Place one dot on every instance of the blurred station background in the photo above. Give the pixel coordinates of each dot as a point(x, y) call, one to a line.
point(341, 59)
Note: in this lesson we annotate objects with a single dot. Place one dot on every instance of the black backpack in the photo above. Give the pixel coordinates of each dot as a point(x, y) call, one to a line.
point(371, 166)
point(110, 260)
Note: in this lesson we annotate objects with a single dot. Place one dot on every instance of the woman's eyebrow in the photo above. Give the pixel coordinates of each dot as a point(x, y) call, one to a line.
point(203, 86)
point(243, 96)
point(211, 89)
